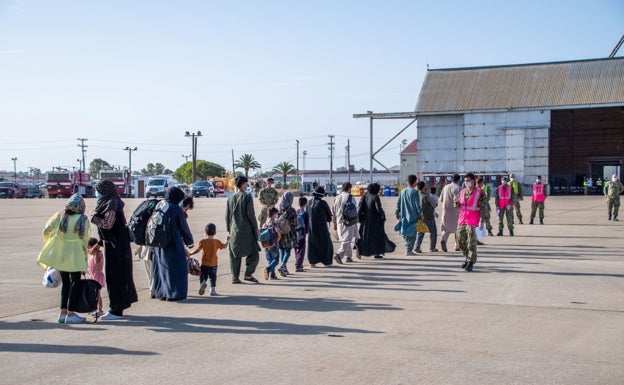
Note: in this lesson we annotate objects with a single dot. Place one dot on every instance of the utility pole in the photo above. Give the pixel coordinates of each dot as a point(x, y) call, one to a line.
point(233, 168)
point(193, 136)
point(14, 159)
point(129, 187)
point(304, 168)
point(83, 147)
point(348, 161)
point(331, 158)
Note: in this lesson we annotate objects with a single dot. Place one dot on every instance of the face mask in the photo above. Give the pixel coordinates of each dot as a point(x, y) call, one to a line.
point(98, 194)
point(538, 180)
point(468, 184)
point(512, 179)
point(504, 182)
point(614, 179)
point(181, 203)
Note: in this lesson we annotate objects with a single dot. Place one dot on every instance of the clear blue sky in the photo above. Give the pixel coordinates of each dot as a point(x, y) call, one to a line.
point(254, 76)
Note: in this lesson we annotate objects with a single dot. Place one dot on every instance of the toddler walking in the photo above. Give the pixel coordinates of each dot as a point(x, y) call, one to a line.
point(209, 261)
point(95, 265)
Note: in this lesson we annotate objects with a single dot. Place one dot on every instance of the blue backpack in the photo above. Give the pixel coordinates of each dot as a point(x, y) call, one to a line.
point(300, 229)
point(266, 238)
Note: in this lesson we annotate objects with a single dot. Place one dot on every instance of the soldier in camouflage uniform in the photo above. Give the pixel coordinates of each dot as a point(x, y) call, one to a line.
point(612, 191)
point(516, 191)
point(472, 212)
point(268, 197)
point(486, 191)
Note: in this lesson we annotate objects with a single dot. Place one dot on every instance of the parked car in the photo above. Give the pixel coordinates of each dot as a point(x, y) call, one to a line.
point(10, 190)
point(203, 188)
point(330, 190)
point(33, 192)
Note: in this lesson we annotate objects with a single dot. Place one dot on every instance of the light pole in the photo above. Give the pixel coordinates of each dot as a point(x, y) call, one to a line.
point(186, 157)
point(193, 136)
point(331, 158)
point(297, 140)
point(14, 159)
point(303, 175)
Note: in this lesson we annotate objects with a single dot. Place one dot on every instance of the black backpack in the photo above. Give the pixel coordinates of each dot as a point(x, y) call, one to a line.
point(88, 290)
point(137, 225)
point(159, 231)
point(349, 212)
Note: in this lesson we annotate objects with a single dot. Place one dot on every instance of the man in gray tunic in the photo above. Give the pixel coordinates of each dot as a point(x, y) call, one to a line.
point(241, 224)
point(450, 213)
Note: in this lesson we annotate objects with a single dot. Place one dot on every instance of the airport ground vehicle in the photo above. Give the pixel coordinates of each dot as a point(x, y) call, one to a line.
point(158, 185)
point(63, 184)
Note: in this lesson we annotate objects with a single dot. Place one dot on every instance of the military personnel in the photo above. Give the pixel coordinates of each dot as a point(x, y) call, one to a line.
point(268, 197)
point(516, 190)
point(504, 206)
point(537, 199)
point(486, 190)
point(472, 210)
point(612, 191)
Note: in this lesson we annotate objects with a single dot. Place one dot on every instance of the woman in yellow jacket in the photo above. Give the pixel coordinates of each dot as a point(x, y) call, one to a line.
point(66, 235)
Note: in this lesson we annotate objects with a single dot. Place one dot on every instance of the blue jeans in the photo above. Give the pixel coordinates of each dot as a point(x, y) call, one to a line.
point(433, 234)
point(272, 257)
point(284, 254)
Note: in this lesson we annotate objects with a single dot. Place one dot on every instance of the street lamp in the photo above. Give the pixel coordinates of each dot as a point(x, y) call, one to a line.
point(129, 149)
point(193, 136)
point(186, 157)
point(303, 174)
point(14, 159)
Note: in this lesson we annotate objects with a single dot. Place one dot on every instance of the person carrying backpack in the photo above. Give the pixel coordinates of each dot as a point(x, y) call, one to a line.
point(345, 218)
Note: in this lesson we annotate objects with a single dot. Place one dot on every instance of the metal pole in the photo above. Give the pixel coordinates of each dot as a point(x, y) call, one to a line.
point(297, 160)
point(14, 159)
point(348, 160)
point(331, 158)
point(233, 168)
point(371, 148)
point(304, 168)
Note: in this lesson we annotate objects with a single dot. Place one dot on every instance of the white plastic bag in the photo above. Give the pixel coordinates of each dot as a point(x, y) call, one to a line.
point(481, 232)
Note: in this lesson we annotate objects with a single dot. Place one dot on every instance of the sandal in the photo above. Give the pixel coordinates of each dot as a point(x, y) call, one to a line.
point(251, 279)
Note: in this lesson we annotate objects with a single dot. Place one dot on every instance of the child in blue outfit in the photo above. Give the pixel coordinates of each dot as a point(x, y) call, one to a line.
point(270, 247)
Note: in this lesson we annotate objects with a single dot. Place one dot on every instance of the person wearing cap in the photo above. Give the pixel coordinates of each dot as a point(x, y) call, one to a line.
point(268, 198)
point(516, 191)
point(241, 225)
point(612, 191)
point(538, 199)
point(504, 206)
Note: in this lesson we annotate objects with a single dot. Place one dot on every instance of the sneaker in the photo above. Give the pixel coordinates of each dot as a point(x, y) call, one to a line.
point(281, 271)
point(410, 253)
point(286, 271)
point(457, 248)
point(418, 251)
point(349, 259)
point(213, 291)
point(520, 220)
point(541, 221)
point(469, 266)
point(511, 233)
point(378, 256)
point(74, 319)
point(500, 233)
point(338, 259)
point(61, 318)
point(265, 271)
point(434, 250)
point(274, 277)
point(202, 288)
point(479, 243)
point(299, 270)
point(490, 233)
point(614, 218)
point(236, 281)
point(111, 317)
point(443, 245)
point(463, 265)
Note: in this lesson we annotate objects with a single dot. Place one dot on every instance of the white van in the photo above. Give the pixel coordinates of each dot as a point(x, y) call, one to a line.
point(158, 185)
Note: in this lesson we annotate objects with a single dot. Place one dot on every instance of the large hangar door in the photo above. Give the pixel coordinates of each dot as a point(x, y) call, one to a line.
point(514, 146)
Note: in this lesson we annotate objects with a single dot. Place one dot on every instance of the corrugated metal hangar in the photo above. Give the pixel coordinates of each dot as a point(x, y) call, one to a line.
point(563, 121)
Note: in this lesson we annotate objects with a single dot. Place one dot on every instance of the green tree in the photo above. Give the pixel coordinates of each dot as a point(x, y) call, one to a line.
point(284, 168)
point(204, 170)
point(155, 169)
point(97, 165)
point(247, 162)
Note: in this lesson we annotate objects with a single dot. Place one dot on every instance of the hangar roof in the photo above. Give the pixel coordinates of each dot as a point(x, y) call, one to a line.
point(596, 82)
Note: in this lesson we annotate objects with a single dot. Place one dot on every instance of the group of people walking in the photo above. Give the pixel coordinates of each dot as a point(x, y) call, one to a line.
point(278, 229)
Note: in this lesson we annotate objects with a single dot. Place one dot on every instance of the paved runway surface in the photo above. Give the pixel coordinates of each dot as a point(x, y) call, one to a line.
point(543, 307)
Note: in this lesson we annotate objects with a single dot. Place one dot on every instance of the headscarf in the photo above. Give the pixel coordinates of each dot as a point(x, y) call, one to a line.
point(174, 195)
point(319, 193)
point(75, 205)
point(110, 199)
point(285, 202)
point(374, 188)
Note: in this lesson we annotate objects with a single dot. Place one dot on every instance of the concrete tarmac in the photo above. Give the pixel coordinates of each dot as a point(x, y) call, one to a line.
point(543, 307)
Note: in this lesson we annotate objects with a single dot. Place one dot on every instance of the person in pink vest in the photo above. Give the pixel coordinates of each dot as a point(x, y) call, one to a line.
point(504, 206)
point(472, 205)
point(538, 199)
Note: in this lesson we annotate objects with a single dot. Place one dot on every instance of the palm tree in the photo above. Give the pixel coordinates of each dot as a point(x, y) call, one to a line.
point(247, 162)
point(284, 168)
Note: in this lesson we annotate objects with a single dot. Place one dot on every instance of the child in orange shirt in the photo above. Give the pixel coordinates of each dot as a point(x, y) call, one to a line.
point(209, 247)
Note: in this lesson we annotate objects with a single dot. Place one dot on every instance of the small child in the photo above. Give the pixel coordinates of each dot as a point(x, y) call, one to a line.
point(209, 261)
point(270, 250)
point(300, 242)
point(95, 265)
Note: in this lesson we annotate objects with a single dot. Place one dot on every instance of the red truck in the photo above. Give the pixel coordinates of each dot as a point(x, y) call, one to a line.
point(121, 179)
point(11, 190)
point(62, 184)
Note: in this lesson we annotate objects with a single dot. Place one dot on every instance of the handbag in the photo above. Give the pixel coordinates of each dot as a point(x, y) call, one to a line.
point(88, 290)
point(194, 266)
point(421, 227)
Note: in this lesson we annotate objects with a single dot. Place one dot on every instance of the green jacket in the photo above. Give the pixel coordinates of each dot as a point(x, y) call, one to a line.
point(241, 223)
point(612, 190)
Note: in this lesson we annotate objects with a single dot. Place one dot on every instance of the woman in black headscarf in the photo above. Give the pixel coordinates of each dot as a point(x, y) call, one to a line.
point(170, 265)
point(320, 247)
point(109, 217)
point(372, 219)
